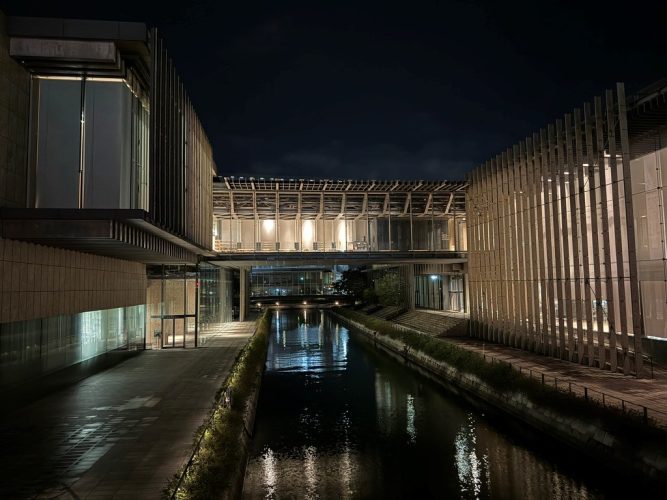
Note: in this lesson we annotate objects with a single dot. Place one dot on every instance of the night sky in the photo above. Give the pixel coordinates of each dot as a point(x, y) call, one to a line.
point(387, 90)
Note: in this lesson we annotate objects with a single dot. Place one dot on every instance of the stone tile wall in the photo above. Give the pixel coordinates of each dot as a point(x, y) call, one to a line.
point(39, 282)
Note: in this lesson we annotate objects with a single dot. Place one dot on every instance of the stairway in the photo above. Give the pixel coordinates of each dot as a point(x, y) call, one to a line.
point(437, 325)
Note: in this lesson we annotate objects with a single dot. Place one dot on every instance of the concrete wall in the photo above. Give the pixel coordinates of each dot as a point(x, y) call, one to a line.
point(39, 282)
point(14, 107)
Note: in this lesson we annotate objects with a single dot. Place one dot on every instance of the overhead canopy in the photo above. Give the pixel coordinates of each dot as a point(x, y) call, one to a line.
point(269, 198)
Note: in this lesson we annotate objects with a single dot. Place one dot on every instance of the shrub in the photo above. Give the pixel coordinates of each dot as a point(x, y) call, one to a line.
point(218, 456)
point(504, 379)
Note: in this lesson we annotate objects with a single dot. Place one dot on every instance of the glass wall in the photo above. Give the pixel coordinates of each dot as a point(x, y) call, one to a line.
point(440, 292)
point(429, 292)
point(91, 138)
point(32, 348)
point(276, 282)
point(216, 295)
point(369, 232)
point(172, 301)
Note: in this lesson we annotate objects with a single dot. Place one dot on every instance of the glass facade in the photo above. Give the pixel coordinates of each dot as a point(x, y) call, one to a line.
point(172, 302)
point(216, 294)
point(29, 349)
point(274, 216)
point(276, 282)
point(440, 292)
point(90, 140)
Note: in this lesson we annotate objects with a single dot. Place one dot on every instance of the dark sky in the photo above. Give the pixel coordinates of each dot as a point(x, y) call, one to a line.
point(419, 89)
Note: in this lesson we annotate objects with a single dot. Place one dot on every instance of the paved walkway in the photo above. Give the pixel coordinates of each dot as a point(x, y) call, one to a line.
point(122, 433)
point(637, 393)
point(621, 391)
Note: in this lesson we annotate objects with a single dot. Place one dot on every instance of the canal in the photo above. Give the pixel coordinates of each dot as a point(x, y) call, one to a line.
point(337, 419)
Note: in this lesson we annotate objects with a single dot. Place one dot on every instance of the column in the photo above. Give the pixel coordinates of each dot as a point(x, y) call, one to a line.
point(410, 285)
point(244, 278)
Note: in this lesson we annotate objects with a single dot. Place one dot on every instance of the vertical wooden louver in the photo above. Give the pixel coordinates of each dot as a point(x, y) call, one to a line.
point(181, 157)
point(552, 258)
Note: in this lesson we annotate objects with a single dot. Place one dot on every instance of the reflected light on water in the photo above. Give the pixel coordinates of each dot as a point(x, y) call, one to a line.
point(469, 466)
point(346, 470)
point(269, 468)
point(310, 470)
point(338, 420)
point(410, 411)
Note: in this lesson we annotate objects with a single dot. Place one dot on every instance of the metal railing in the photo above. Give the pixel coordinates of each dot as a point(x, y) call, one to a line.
point(648, 415)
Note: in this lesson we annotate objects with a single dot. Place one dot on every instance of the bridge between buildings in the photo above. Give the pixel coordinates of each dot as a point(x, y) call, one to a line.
point(417, 226)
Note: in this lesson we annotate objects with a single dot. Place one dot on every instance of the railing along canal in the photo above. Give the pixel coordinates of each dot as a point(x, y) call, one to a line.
point(647, 414)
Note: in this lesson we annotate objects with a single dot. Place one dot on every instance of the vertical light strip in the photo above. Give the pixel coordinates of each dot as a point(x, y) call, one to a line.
point(82, 145)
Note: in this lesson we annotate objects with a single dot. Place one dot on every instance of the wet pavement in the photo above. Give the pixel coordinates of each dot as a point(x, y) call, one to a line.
point(122, 433)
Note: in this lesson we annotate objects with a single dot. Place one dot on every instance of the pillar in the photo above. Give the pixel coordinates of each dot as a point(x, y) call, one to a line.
point(244, 278)
point(466, 291)
point(410, 285)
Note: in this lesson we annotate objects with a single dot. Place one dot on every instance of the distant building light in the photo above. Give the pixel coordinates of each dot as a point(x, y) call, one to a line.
point(305, 303)
point(337, 303)
point(277, 303)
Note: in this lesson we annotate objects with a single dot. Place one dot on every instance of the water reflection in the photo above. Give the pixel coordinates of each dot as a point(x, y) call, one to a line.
point(468, 464)
point(336, 419)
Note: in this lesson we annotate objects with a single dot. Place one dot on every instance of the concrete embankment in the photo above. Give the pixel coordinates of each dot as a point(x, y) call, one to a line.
point(641, 452)
point(237, 475)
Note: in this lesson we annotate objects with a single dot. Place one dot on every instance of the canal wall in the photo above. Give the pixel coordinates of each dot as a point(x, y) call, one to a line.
point(237, 475)
point(633, 454)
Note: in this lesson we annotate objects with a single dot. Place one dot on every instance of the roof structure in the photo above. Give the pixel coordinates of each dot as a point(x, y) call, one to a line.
point(268, 198)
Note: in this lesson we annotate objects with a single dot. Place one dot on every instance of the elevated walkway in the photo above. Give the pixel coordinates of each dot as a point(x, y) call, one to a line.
point(301, 258)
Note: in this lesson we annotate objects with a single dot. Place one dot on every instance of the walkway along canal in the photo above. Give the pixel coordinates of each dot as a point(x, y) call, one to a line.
point(336, 418)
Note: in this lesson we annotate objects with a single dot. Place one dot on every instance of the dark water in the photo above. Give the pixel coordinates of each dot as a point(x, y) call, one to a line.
point(337, 419)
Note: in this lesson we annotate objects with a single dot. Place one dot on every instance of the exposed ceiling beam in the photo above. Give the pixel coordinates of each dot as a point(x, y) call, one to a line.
point(449, 203)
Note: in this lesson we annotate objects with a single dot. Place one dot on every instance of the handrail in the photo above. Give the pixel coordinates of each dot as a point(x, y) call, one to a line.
point(589, 394)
